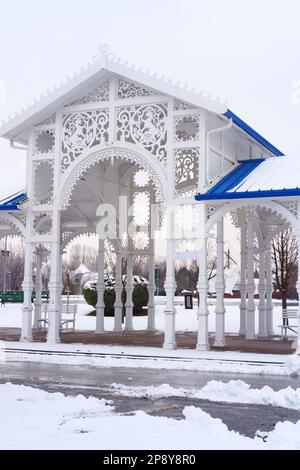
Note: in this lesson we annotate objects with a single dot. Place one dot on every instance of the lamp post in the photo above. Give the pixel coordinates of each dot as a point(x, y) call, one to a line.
point(156, 268)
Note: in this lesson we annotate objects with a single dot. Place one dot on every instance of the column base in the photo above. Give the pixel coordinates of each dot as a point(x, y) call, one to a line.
point(53, 341)
point(202, 347)
point(220, 344)
point(250, 337)
point(262, 335)
point(99, 332)
point(26, 339)
point(169, 346)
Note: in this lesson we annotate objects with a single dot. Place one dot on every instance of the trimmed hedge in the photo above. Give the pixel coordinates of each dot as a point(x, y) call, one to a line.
point(140, 298)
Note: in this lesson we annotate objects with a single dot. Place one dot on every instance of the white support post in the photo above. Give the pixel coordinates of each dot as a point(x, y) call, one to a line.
point(55, 283)
point(26, 333)
point(170, 312)
point(220, 288)
point(151, 290)
point(243, 292)
point(118, 290)
point(269, 291)
point(202, 314)
point(262, 325)
point(100, 290)
point(129, 292)
point(298, 280)
point(38, 291)
point(250, 313)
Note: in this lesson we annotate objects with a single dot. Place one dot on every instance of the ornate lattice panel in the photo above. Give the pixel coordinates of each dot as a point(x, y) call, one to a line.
point(186, 170)
point(81, 131)
point(128, 89)
point(43, 178)
point(144, 125)
point(44, 142)
point(42, 223)
point(187, 129)
point(98, 94)
point(181, 106)
point(290, 206)
point(210, 209)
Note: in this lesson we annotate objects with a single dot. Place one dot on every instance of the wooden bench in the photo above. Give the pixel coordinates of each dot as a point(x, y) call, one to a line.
point(67, 319)
point(287, 315)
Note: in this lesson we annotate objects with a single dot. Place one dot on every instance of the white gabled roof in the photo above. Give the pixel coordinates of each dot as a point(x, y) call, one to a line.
point(15, 128)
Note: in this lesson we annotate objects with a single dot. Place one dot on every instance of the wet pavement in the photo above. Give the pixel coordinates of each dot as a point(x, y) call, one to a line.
point(89, 381)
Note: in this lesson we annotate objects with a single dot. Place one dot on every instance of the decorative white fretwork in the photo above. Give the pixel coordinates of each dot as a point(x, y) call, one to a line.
point(98, 94)
point(81, 131)
point(44, 142)
point(141, 179)
point(290, 206)
point(144, 125)
point(141, 208)
point(181, 106)
point(42, 223)
point(186, 170)
point(111, 155)
point(210, 210)
point(187, 129)
point(49, 121)
point(65, 236)
point(43, 179)
point(141, 240)
point(21, 216)
point(131, 90)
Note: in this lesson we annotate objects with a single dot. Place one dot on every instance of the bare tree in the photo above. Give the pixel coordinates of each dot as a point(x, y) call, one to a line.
point(285, 255)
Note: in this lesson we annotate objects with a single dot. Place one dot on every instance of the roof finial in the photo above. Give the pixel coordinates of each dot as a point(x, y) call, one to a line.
point(104, 54)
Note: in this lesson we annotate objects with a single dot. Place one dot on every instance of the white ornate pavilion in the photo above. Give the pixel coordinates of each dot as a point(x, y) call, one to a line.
point(115, 136)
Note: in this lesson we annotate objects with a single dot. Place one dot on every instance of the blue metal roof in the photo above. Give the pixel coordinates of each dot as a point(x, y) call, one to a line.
point(252, 133)
point(264, 177)
point(11, 203)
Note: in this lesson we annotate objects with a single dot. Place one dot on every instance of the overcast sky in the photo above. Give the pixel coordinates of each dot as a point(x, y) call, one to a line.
point(245, 51)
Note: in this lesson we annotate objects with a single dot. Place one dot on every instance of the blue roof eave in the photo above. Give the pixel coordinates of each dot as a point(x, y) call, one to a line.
point(248, 194)
point(12, 203)
point(252, 133)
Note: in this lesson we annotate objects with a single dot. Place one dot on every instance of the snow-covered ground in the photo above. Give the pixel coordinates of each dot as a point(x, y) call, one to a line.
point(35, 419)
point(186, 320)
point(125, 356)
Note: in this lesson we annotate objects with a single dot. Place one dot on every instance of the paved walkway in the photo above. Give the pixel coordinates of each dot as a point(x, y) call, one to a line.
point(186, 340)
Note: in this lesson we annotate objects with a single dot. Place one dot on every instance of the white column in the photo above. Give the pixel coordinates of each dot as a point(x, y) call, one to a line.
point(170, 312)
point(298, 280)
point(55, 283)
point(38, 291)
point(202, 314)
point(118, 291)
point(269, 292)
point(129, 292)
point(26, 332)
point(100, 289)
point(220, 287)
point(250, 313)
point(243, 293)
point(151, 290)
point(262, 325)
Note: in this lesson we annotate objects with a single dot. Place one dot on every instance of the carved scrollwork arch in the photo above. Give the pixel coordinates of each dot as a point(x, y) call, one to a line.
point(113, 153)
point(280, 210)
point(15, 223)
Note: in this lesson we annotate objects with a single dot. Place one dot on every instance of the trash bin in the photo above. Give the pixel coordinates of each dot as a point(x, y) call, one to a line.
point(188, 300)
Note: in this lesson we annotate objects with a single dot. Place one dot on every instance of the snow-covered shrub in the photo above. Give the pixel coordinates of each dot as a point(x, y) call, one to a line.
point(140, 296)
